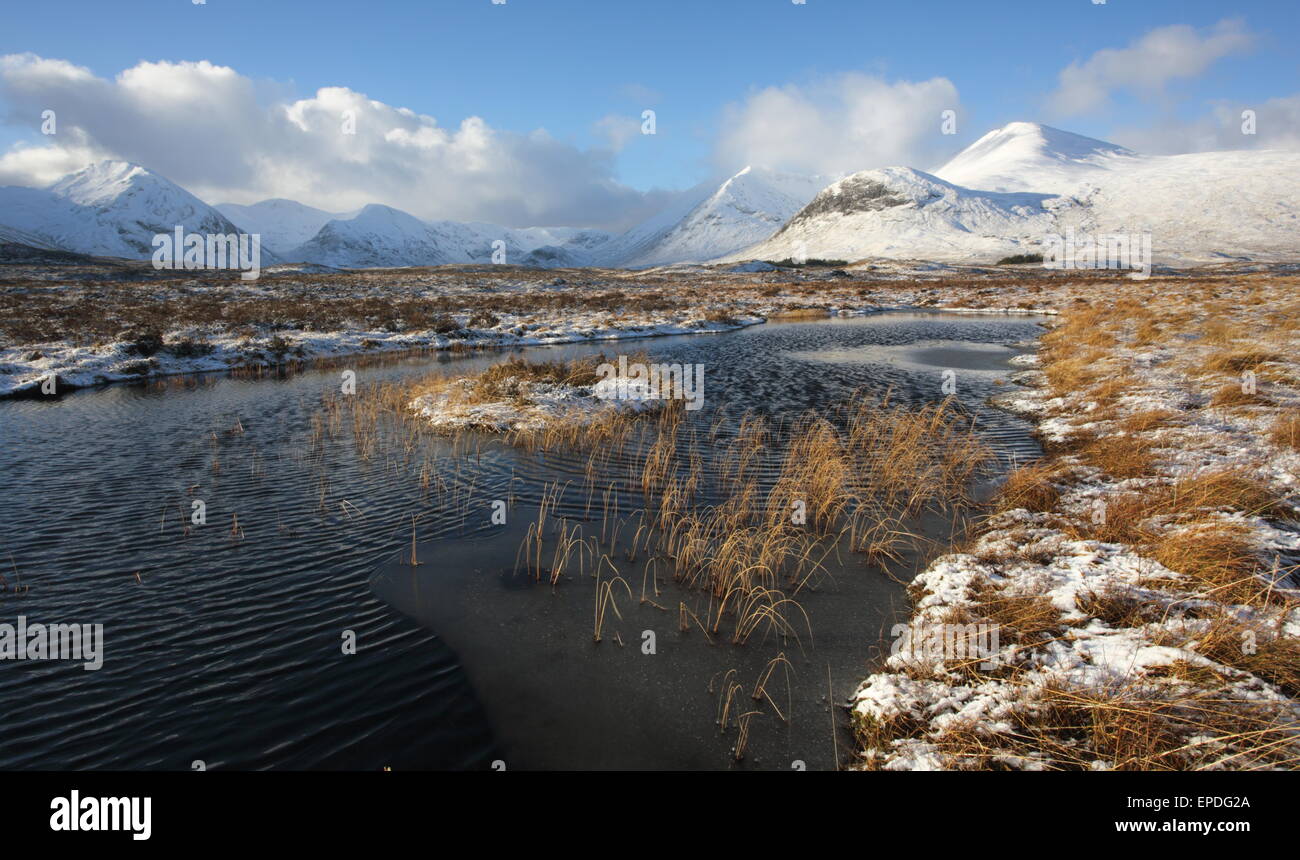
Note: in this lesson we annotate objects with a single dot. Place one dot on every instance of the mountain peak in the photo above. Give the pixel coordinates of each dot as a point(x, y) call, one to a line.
point(101, 182)
point(111, 208)
point(745, 208)
point(1030, 156)
point(1049, 141)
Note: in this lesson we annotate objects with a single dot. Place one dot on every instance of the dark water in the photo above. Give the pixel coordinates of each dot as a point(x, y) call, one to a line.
point(227, 649)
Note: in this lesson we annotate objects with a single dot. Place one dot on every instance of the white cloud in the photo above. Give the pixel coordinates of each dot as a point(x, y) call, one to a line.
point(617, 129)
point(846, 123)
point(228, 138)
point(1277, 126)
point(1146, 66)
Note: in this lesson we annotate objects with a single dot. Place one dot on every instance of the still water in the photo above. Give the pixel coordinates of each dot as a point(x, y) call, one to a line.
point(223, 642)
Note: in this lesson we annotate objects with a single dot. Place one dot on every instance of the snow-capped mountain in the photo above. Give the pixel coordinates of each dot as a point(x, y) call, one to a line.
point(901, 212)
point(1026, 156)
point(111, 209)
point(1198, 207)
point(381, 236)
point(554, 247)
point(282, 224)
point(375, 236)
point(22, 237)
point(709, 222)
point(1002, 195)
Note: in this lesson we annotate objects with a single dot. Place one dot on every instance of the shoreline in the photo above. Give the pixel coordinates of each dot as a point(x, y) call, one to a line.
point(1141, 575)
point(76, 370)
point(95, 324)
point(227, 358)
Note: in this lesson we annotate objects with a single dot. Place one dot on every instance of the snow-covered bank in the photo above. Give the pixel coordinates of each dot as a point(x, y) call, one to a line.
point(519, 403)
point(23, 369)
point(93, 324)
point(1141, 579)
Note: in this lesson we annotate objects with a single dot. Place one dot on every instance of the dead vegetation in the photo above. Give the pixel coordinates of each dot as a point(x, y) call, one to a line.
point(1136, 465)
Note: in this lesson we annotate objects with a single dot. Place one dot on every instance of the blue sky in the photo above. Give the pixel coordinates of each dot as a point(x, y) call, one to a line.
point(564, 65)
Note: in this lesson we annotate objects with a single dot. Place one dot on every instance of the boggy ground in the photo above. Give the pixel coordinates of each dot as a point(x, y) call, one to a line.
point(95, 323)
point(1142, 575)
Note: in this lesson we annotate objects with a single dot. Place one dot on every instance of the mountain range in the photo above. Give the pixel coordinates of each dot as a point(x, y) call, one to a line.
point(1004, 193)
point(999, 196)
point(109, 209)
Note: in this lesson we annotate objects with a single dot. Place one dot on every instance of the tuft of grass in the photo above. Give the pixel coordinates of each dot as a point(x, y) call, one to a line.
point(1117, 607)
point(1285, 431)
point(1256, 649)
point(1026, 619)
point(1233, 394)
point(1216, 554)
point(1031, 487)
point(1239, 360)
point(1122, 457)
point(1147, 420)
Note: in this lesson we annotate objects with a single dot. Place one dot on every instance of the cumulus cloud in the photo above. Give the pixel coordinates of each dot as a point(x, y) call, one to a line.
point(228, 138)
point(842, 124)
point(617, 129)
point(1146, 66)
point(1276, 126)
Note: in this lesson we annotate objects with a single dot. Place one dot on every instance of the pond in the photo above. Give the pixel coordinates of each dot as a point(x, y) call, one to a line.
point(225, 643)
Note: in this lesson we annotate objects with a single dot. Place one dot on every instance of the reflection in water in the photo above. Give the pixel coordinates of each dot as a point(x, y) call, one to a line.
point(227, 649)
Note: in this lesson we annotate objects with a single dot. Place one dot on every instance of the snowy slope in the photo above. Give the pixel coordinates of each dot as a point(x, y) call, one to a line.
point(708, 222)
point(112, 209)
point(1026, 156)
point(381, 236)
point(1197, 208)
point(282, 224)
point(557, 247)
point(901, 212)
point(640, 239)
point(376, 236)
point(1000, 196)
point(22, 237)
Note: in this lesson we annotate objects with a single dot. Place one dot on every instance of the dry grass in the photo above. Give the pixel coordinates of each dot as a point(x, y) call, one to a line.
point(1285, 431)
point(1217, 554)
point(916, 458)
point(1239, 360)
point(1147, 420)
point(502, 380)
point(1148, 331)
point(1033, 487)
point(1190, 499)
point(1117, 607)
point(1025, 619)
point(1236, 394)
point(1221, 597)
point(1256, 648)
point(1146, 725)
point(752, 553)
point(1120, 456)
point(1193, 723)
